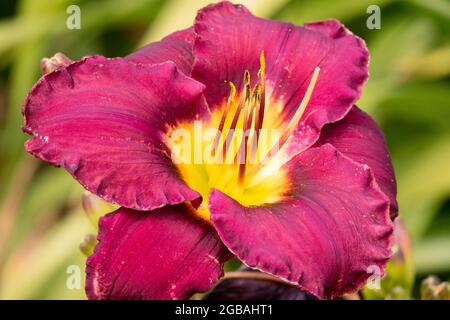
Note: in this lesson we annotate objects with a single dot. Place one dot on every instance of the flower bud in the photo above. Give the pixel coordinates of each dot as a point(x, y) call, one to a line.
point(54, 63)
point(88, 244)
point(433, 289)
point(95, 207)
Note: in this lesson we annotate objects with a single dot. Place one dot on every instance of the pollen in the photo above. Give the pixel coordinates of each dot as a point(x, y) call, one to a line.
point(235, 151)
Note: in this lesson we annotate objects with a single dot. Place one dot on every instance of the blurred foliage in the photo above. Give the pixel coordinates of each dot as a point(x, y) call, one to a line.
point(41, 220)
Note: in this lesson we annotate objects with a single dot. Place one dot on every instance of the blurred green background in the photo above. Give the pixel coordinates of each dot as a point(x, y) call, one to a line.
point(41, 219)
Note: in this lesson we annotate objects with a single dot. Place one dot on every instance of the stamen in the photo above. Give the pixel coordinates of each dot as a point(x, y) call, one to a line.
point(261, 107)
point(230, 102)
point(242, 105)
point(256, 102)
point(247, 79)
point(249, 124)
point(249, 112)
point(262, 65)
point(243, 148)
point(243, 101)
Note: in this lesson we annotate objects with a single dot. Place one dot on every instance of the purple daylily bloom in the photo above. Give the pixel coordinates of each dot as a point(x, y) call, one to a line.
point(318, 220)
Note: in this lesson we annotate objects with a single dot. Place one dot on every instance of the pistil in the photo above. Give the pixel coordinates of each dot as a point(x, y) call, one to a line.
point(249, 109)
point(294, 121)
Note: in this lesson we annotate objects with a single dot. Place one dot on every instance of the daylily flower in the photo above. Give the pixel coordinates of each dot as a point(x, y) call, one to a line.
point(317, 217)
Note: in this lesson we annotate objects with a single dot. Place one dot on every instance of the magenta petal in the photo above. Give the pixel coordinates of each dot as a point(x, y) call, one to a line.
point(103, 120)
point(230, 40)
point(324, 236)
point(163, 254)
point(359, 137)
point(176, 47)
